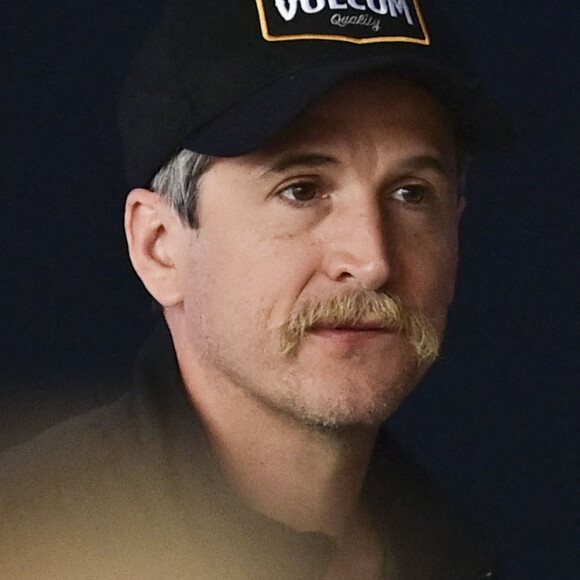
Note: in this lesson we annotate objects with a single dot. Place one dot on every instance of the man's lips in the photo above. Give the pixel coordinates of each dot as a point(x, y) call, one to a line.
point(354, 328)
point(351, 335)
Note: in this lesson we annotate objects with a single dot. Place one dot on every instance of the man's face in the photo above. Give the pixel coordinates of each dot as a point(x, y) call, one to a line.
point(359, 195)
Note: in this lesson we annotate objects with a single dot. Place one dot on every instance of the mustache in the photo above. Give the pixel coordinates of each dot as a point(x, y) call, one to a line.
point(375, 310)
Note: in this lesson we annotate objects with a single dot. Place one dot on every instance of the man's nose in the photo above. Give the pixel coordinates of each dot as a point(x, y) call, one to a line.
point(358, 251)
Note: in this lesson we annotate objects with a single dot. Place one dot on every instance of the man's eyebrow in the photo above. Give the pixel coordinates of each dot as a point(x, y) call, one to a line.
point(292, 160)
point(433, 162)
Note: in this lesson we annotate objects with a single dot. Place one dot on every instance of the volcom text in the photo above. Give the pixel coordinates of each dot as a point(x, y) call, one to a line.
point(394, 8)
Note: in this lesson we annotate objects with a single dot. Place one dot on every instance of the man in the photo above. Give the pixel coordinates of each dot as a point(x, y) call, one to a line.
point(297, 171)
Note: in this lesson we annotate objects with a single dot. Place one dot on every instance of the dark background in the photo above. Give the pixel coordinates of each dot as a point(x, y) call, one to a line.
point(494, 422)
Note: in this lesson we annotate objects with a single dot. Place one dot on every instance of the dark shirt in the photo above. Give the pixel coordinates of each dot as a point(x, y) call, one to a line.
point(132, 491)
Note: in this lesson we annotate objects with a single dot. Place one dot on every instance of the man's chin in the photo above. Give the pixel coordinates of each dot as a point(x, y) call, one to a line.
point(349, 406)
point(346, 419)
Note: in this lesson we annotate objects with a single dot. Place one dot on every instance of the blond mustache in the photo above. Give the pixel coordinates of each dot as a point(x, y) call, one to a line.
point(384, 311)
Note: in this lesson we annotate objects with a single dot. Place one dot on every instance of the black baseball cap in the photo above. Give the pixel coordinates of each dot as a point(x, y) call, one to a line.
point(221, 77)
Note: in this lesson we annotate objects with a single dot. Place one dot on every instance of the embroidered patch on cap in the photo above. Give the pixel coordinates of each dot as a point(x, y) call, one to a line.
point(358, 21)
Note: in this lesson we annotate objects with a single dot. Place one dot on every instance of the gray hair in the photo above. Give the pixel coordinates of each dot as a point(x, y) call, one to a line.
point(178, 180)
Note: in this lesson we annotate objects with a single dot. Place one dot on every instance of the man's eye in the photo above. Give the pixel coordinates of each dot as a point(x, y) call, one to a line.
point(413, 194)
point(300, 192)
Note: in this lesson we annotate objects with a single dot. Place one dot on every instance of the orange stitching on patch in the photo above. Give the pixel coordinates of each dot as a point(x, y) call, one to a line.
point(263, 21)
point(422, 22)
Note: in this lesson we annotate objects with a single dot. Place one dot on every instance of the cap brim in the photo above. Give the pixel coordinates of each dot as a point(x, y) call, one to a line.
point(250, 123)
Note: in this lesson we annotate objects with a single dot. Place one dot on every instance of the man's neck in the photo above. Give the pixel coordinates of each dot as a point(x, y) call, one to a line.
point(305, 477)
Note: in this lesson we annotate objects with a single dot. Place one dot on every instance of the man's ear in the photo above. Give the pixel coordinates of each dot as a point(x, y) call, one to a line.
point(154, 232)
